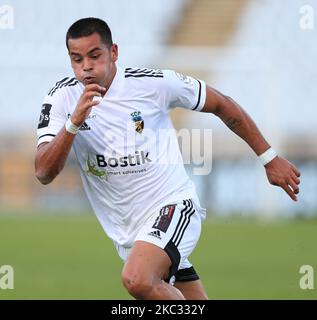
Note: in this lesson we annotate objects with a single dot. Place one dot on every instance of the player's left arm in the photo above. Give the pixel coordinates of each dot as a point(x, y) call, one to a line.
point(279, 171)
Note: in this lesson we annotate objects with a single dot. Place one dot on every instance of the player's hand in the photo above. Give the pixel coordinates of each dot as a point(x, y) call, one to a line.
point(86, 102)
point(282, 173)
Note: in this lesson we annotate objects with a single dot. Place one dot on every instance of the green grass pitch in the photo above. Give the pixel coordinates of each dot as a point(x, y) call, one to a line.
point(69, 257)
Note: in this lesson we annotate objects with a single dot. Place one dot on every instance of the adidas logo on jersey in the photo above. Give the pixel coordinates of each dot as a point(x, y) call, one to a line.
point(155, 234)
point(84, 126)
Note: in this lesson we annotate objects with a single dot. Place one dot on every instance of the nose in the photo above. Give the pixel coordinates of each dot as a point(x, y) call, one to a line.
point(87, 66)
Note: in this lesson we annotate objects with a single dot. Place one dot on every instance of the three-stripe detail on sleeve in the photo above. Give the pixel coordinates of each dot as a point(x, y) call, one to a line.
point(63, 83)
point(143, 72)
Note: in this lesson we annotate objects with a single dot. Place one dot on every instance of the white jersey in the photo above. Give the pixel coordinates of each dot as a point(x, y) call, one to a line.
point(127, 150)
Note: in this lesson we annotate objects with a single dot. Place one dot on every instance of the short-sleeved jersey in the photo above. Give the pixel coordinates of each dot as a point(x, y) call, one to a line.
point(127, 148)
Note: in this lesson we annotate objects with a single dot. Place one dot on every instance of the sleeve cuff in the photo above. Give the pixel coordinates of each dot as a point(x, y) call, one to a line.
point(45, 138)
point(201, 96)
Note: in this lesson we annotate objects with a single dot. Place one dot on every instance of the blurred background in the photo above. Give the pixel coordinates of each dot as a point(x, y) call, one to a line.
point(259, 52)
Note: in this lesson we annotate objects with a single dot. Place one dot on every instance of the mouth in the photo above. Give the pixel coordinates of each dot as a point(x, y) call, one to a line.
point(89, 80)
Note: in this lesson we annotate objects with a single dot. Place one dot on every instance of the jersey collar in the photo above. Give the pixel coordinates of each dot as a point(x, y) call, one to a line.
point(115, 84)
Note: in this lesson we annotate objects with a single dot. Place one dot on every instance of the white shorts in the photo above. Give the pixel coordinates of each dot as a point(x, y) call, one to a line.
point(175, 228)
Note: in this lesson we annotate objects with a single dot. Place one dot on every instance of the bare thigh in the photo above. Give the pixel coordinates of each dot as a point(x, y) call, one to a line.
point(147, 259)
point(192, 290)
point(144, 272)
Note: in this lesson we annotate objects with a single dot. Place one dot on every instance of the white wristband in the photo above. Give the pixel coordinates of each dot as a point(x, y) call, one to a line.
point(267, 156)
point(70, 127)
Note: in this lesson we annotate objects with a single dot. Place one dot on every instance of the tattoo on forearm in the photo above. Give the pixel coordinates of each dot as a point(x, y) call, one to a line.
point(232, 123)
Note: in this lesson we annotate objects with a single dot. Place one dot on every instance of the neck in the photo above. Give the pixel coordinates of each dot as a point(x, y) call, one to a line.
point(108, 82)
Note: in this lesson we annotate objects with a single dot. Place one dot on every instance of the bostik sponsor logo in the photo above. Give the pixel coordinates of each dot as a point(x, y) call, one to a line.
point(136, 159)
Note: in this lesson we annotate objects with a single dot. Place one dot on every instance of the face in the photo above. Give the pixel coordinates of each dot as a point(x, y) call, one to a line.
point(92, 61)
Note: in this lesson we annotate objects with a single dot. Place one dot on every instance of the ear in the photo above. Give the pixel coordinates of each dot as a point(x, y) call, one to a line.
point(114, 53)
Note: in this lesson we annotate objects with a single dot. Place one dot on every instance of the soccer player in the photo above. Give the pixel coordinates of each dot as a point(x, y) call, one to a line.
point(117, 121)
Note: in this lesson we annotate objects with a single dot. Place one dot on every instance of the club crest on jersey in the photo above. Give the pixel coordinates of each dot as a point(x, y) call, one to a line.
point(139, 122)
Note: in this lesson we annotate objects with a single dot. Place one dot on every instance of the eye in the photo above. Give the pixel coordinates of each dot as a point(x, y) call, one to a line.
point(95, 56)
point(77, 60)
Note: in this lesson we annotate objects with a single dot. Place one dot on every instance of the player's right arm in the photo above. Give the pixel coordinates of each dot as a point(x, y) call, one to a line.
point(51, 155)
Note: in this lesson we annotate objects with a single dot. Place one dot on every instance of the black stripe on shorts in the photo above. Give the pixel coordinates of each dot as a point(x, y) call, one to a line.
point(188, 274)
point(175, 257)
point(171, 247)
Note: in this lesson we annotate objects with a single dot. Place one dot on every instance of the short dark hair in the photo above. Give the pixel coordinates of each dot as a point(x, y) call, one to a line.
point(86, 27)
